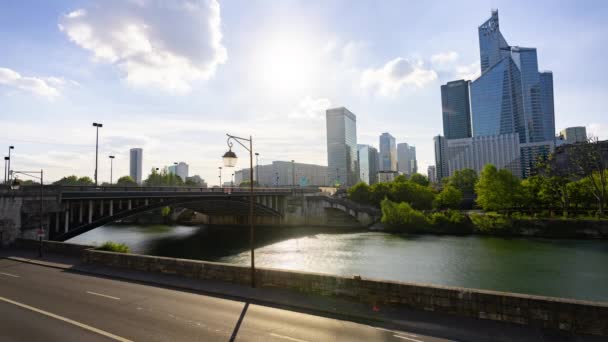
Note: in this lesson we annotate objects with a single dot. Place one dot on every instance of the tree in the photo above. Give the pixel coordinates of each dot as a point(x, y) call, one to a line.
point(126, 181)
point(85, 181)
point(418, 196)
point(400, 179)
point(463, 180)
point(379, 192)
point(360, 193)
point(419, 179)
point(498, 190)
point(449, 198)
point(74, 180)
point(590, 161)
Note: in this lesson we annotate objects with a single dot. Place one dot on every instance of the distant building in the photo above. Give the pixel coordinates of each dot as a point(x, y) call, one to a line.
point(406, 159)
point(135, 164)
point(285, 173)
point(563, 155)
point(368, 164)
point(387, 176)
point(503, 151)
point(573, 135)
point(456, 108)
point(180, 169)
point(431, 173)
point(388, 153)
point(342, 146)
point(441, 158)
point(548, 105)
point(196, 179)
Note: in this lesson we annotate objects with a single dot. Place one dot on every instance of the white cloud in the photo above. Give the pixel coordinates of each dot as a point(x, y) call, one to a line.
point(45, 87)
point(468, 72)
point(444, 60)
point(395, 74)
point(310, 108)
point(164, 44)
point(597, 130)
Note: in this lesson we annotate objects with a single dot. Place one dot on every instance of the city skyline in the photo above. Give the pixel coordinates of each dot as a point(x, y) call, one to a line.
point(78, 84)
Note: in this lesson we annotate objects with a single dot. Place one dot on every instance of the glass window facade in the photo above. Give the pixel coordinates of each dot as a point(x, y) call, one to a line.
point(342, 146)
point(388, 153)
point(456, 109)
point(548, 106)
point(368, 164)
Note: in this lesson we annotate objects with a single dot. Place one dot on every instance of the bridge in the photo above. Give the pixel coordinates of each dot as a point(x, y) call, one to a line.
point(68, 211)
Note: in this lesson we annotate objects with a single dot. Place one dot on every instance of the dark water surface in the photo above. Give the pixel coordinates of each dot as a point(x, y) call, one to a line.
point(560, 268)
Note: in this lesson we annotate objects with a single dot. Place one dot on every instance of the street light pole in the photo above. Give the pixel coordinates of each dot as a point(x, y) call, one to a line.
point(257, 169)
point(8, 172)
point(230, 160)
point(111, 168)
point(97, 126)
point(220, 170)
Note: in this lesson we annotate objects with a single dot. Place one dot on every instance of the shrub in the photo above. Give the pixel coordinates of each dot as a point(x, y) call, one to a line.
point(402, 216)
point(451, 222)
point(491, 222)
point(114, 247)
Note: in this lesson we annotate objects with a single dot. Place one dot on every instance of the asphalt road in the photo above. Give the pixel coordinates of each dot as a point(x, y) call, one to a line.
point(39, 303)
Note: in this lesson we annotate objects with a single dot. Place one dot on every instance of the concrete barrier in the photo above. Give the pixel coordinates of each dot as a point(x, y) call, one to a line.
point(557, 313)
point(53, 246)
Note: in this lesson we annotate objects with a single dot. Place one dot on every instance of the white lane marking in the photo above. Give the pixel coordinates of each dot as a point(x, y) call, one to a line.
point(67, 320)
point(407, 338)
point(10, 275)
point(397, 332)
point(287, 337)
point(102, 295)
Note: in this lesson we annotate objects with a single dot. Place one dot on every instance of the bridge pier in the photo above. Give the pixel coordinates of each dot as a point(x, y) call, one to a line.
point(129, 205)
point(111, 207)
point(66, 226)
point(100, 207)
point(90, 211)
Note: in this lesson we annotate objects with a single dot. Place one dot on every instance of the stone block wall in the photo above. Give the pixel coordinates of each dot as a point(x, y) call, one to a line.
point(53, 246)
point(557, 313)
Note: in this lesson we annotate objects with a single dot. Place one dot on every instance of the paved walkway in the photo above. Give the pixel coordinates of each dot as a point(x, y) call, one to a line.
point(430, 323)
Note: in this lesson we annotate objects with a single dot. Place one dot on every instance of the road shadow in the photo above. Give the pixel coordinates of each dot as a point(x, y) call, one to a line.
point(238, 323)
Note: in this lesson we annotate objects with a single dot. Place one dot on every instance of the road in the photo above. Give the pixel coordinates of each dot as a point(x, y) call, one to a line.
point(40, 303)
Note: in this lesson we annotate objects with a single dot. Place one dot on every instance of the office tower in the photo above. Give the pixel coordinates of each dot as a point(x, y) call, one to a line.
point(456, 108)
point(368, 164)
point(180, 169)
point(512, 96)
point(431, 173)
point(406, 159)
point(573, 135)
point(503, 151)
point(441, 158)
point(135, 164)
point(388, 153)
point(342, 146)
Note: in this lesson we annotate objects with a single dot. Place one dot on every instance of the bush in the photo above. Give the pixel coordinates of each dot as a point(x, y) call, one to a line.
point(114, 247)
point(402, 216)
point(491, 222)
point(360, 193)
point(449, 198)
point(451, 222)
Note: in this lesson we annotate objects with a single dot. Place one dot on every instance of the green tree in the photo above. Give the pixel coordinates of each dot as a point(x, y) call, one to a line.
point(402, 216)
point(418, 196)
point(463, 180)
point(360, 193)
point(126, 181)
point(419, 179)
point(400, 179)
point(74, 180)
point(498, 190)
point(589, 160)
point(379, 192)
point(449, 198)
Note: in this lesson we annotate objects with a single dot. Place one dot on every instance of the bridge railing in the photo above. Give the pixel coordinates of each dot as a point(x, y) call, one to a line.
point(79, 188)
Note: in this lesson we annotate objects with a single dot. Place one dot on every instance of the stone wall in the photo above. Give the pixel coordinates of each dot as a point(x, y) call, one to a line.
point(53, 246)
point(557, 313)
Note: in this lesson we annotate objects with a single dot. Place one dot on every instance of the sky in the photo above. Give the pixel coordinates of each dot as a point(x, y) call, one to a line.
point(173, 77)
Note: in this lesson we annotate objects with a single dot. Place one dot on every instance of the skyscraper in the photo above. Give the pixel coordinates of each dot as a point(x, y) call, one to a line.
point(342, 146)
point(388, 153)
point(456, 108)
point(512, 96)
point(573, 135)
point(180, 169)
point(431, 173)
point(441, 158)
point(368, 164)
point(406, 159)
point(135, 164)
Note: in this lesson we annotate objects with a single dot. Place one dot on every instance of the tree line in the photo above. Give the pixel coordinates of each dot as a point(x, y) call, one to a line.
point(155, 178)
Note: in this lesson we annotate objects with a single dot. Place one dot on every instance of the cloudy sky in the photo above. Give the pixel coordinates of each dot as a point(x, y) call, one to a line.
point(174, 76)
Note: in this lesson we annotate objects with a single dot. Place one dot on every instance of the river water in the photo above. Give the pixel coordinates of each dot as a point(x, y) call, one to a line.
point(560, 268)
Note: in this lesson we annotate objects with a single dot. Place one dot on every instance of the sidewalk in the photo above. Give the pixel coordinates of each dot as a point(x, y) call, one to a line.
point(390, 317)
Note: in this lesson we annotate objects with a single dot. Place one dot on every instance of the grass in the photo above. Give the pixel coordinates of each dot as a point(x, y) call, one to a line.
point(114, 247)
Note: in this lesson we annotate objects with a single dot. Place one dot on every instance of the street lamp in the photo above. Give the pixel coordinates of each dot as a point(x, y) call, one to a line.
point(7, 171)
point(97, 127)
point(6, 159)
point(232, 181)
point(111, 167)
point(257, 169)
point(15, 185)
point(230, 160)
point(220, 171)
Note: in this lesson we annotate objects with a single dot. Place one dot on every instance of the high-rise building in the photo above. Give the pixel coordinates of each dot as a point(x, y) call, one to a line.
point(573, 135)
point(503, 151)
point(368, 164)
point(388, 153)
point(511, 95)
point(406, 159)
point(456, 108)
point(135, 164)
point(431, 173)
point(180, 169)
point(342, 146)
point(441, 157)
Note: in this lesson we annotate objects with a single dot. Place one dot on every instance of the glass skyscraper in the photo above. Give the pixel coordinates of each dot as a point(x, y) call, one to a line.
point(388, 153)
point(135, 164)
point(342, 146)
point(368, 164)
point(511, 95)
point(441, 158)
point(456, 109)
point(406, 159)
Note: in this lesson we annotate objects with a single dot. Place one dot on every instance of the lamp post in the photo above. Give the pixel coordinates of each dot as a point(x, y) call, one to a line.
point(6, 159)
point(293, 173)
point(97, 127)
point(230, 160)
point(220, 171)
point(257, 169)
point(232, 181)
point(8, 170)
point(111, 167)
point(15, 186)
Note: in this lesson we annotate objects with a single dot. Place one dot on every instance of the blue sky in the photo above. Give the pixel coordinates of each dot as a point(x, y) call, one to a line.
point(173, 77)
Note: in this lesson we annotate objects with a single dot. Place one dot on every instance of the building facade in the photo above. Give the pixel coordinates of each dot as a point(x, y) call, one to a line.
point(406, 159)
point(456, 109)
point(180, 169)
point(342, 147)
point(135, 164)
point(368, 164)
point(441, 158)
point(573, 135)
point(387, 176)
point(503, 151)
point(431, 173)
point(388, 153)
point(285, 173)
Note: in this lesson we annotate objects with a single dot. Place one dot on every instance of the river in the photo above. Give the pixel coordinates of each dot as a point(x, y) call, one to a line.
point(561, 268)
